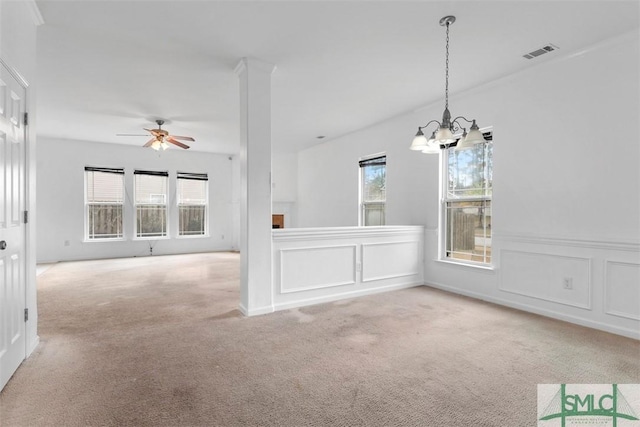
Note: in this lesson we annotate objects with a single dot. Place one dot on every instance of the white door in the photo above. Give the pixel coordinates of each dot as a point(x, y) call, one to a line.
point(12, 226)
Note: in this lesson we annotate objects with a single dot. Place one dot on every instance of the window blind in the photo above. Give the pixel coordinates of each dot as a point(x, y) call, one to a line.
point(151, 187)
point(105, 185)
point(105, 170)
point(192, 188)
point(194, 176)
point(374, 161)
point(153, 173)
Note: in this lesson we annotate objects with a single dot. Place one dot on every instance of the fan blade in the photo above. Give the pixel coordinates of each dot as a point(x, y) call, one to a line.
point(186, 138)
point(174, 142)
point(148, 144)
point(130, 134)
point(152, 131)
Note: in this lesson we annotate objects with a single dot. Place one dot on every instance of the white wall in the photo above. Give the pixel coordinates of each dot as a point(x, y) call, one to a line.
point(566, 186)
point(60, 195)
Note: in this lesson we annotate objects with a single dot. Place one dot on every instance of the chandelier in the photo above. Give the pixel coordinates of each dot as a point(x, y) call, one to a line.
point(443, 135)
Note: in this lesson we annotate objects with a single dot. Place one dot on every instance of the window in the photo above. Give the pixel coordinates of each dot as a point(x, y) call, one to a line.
point(104, 200)
point(373, 192)
point(192, 204)
point(151, 203)
point(466, 204)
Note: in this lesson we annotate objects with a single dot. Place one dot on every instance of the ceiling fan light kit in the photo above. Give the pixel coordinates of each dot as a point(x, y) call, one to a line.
point(444, 135)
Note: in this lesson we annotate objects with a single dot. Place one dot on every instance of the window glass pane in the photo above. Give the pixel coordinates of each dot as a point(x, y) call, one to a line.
point(192, 220)
point(374, 185)
point(374, 214)
point(469, 230)
point(470, 171)
point(104, 221)
point(151, 220)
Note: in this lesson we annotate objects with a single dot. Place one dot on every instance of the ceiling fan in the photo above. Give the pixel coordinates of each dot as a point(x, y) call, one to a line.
point(162, 138)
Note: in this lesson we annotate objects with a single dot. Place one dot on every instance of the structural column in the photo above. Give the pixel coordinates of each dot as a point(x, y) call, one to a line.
point(255, 186)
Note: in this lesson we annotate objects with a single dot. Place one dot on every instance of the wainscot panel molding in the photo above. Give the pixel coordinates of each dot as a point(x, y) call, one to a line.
point(298, 270)
point(390, 260)
point(542, 276)
point(315, 265)
point(622, 289)
point(530, 274)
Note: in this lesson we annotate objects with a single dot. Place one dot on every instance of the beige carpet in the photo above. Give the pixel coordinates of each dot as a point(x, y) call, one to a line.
point(158, 341)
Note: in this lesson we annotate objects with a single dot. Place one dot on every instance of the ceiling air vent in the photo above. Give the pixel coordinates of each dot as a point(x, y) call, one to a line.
point(545, 49)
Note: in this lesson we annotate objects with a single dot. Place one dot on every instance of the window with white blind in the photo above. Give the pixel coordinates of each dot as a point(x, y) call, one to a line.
point(151, 203)
point(104, 201)
point(192, 204)
point(466, 204)
point(373, 190)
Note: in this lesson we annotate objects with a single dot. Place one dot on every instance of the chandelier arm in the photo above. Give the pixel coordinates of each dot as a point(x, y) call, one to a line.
point(463, 118)
point(432, 121)
point(455, 127)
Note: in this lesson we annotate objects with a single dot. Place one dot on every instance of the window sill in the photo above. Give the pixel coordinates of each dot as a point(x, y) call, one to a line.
point(197, 236)
point(152, 238)
point(482, 267)
point(120, 239)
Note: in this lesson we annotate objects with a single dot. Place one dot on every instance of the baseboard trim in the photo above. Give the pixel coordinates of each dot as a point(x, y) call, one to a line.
point(33, 346)
point(629, 333)
point(346, 295)
point(255, 311)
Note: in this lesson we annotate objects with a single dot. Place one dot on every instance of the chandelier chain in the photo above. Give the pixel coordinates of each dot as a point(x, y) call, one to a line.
point(446, 87)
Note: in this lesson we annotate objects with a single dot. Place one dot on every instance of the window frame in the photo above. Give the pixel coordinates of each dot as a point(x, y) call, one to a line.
point(445, 202)
point(197, 177)
point(372, 160)
point(136, 204)
point(87, 204)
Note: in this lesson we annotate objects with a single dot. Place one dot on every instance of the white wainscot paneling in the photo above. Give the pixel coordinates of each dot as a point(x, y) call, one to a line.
point(542, 276)
point(389, 260)
point(622, 289)
point(317, 265)
point(303, 269)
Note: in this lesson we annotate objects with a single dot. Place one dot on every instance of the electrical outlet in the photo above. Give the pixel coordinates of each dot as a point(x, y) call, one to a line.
point(567, 283)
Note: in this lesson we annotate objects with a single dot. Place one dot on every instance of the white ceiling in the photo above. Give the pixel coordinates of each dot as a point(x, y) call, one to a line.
point(108, 67)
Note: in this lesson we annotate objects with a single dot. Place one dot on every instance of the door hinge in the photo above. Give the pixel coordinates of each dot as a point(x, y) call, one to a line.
point(26, 119)
point(26, 314)
point(26, 217)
